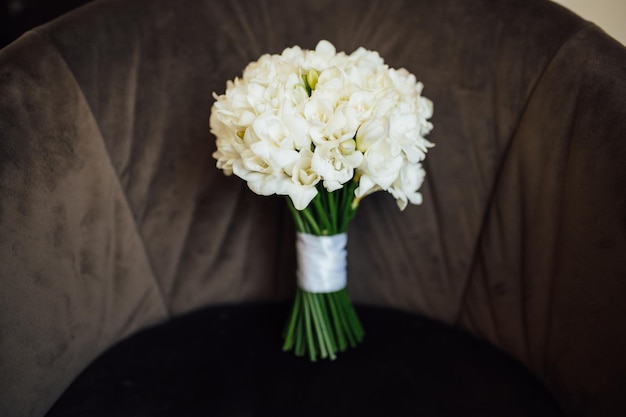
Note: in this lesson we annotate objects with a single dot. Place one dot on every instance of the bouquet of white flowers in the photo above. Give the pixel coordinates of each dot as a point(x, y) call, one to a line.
point(325, 129)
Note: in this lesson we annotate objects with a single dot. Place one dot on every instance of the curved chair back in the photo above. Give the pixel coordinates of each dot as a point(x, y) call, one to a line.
point(113, 216)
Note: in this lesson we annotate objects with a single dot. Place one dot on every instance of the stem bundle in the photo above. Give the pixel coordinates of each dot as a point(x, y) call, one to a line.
point(322, 324)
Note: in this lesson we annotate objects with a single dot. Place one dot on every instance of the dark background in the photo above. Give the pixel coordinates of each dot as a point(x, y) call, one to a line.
point(18, 16)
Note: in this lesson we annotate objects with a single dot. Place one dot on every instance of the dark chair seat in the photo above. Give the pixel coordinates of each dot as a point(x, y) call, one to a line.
point(227, 361)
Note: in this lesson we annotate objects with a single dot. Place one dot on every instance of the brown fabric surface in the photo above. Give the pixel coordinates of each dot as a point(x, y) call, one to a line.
point(74, 276)
point(549, 276)
point(479, 61)
point(520, 238)
point(206, 235)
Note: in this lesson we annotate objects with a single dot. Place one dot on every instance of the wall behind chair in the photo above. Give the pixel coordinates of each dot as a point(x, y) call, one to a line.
point(610, 15)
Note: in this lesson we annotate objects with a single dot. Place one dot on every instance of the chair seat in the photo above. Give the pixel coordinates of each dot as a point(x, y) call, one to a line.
point(227, 361)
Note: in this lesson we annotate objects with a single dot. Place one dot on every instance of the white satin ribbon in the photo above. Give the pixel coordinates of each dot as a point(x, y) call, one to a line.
point(322, 262)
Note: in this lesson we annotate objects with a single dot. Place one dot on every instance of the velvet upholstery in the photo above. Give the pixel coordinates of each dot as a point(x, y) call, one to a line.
point(407, 365)
point(113, 216)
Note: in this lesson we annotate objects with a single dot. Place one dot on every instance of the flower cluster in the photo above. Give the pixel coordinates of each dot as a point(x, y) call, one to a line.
point(307, 118)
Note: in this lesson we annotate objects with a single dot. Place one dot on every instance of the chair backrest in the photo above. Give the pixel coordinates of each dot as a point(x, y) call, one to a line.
point(113, 216)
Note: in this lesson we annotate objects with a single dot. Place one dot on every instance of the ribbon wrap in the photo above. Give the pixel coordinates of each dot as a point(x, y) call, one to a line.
point(322, 262)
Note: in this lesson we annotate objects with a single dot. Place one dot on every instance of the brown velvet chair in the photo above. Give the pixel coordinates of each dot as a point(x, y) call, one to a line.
point(127, 258)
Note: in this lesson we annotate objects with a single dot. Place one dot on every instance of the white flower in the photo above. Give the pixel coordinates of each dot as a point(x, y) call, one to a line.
point(343, 124)
point(370, 132)
point(335, 162)
point(404, 189)
point(302, 118)
point(270, 138)
point(381, 167)
point(260, 174)
point(304, 179)
point(317, 112)
point(323, 55)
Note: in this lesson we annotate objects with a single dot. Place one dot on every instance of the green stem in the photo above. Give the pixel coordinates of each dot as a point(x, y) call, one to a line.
point(295, 313)
point(332, 208)
point(300, 343)
point(309, 332)
point(322, 302)
point(320, 329)
point(321, 215)
point(350, 210)
point(300, 226)
point(353, 320)
point(344, 319)
point(341, 340)
point(315, 229)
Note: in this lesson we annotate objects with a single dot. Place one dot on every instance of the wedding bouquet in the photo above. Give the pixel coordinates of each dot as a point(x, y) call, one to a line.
point(325, 129)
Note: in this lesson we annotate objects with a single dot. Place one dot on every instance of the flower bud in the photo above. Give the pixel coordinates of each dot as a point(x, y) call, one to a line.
point(311, 78)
